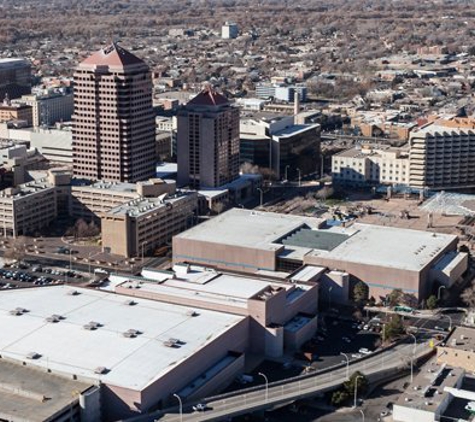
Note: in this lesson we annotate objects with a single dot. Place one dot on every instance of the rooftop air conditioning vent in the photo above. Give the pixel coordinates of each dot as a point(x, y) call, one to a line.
point(101, 370)
point(131, 333)
point(18, 311)
point(130, 302)
point(54, 318)
point(33, 355)
point(73, 293)
point(91, 326)
point(192, 313)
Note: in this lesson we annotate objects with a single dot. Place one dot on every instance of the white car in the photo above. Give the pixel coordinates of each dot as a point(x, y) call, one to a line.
point(364, 351)
point(200, 407)
point(356, 355)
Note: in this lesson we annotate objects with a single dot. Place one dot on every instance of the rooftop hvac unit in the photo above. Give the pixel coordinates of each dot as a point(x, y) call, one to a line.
point(53, 318)
point(18, 311)
point(130, 302)
point(73, 293)
point(192, 313)
point(100, 370)
point(169, 343)
point(33, 355)
point(92, 325)
point(131, 333)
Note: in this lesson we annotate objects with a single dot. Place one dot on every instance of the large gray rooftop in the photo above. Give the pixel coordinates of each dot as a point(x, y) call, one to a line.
point(249, 228)
point(32, 395)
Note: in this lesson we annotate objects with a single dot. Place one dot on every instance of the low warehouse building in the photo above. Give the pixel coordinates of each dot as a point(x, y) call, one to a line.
point(384, 258)
point(140, 351)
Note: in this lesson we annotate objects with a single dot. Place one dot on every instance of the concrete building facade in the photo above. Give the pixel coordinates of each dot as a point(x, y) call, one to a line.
point(140, 225)
point(442, 157)
point(371, 166)
point(27, 208)
point(113, 121)
point(49, 108)
point(208, 141)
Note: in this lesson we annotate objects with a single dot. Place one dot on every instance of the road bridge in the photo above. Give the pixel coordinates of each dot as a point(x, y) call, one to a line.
point(375, 367)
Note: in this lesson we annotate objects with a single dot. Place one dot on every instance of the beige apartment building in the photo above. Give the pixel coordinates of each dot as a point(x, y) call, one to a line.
point(208, 141)
point(49, 108)
point(113, 121)
point(10, 112)
point(140, 225)
point(27, 208)
point(368, 165)
point(443, 156)
point(89, 201)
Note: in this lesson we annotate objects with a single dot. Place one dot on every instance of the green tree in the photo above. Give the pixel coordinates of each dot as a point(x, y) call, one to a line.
point(363, 384)
point(431, 302)
point(394, 297)
point(394, 328)
point(360, 292)
point(339, 397)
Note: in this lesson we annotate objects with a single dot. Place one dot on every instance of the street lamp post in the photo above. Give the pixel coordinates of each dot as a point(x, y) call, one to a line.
point(438, 292)
point(415, 343)
point(143, 244)
point(330, 297)
point(300, 177)
point(267, 385)
point(347, 365)
point(286, 167)
point(261, 192)
point(362, 415)
point(450, 321)
point(356, 389)
point(181, 405)
point(89, 261)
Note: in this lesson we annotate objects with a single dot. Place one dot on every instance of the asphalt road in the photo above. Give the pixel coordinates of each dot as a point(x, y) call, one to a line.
point(381, 399)
point(222, 407)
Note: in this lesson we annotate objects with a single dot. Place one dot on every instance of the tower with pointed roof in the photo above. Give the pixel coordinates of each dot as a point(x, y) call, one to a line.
point(113, 121)
point(208, 141)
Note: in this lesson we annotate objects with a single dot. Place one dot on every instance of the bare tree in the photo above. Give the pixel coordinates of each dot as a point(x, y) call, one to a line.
point(17, 250)
point(468, 295)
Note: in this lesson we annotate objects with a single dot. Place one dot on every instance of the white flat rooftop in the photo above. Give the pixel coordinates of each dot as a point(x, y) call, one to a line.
point(68, 348)
point(248, 228)
point(387, 246)
point(200, 284)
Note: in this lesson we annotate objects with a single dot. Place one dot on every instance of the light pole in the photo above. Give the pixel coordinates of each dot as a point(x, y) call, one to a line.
point(330, 297)
point(356, 388)
point(438, 292)
point(450, 321)
point(89, 261)
point(362, 415)
point(70, 260)
point(267, 385)
point(143, 244)
point(347, 364)
point(300, 177)
point(181, 405)
point(286, 167)
point(261, 192)
point(415, 343)
point(412, 369)
point(321, 166)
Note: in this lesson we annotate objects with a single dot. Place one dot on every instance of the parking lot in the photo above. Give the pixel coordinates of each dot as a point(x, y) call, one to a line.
point(24, 275)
